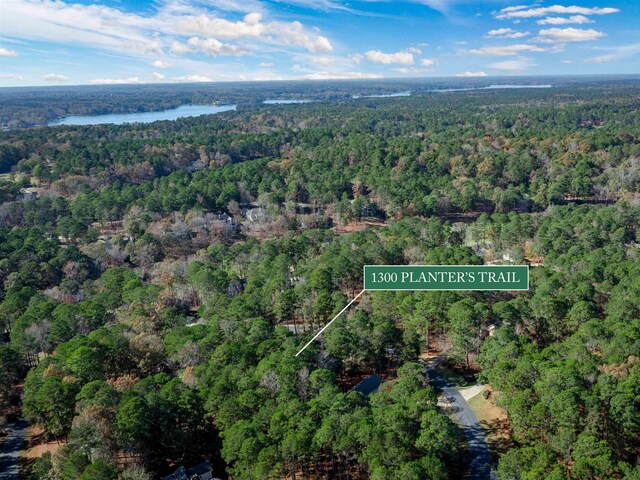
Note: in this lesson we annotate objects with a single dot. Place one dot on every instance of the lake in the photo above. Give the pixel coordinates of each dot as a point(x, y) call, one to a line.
point(285, 102)
point(144, 117)
point(489, 87)
point(384, 95)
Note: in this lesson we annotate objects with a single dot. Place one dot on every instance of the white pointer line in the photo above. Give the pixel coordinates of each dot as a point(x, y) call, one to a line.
point(327, 325)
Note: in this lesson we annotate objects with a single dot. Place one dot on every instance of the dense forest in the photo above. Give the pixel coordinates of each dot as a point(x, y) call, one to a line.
point(158, 279)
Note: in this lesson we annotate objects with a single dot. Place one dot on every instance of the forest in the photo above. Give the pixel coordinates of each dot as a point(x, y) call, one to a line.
point(157, 281)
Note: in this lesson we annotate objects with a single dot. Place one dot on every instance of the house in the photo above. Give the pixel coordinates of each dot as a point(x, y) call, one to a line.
point(256, 215)
point(507, 257)
point(30, 193)
point(223, 217)
point(199, 472)
point(228, 221)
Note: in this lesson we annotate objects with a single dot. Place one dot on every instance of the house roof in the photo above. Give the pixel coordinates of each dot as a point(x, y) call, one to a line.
point(369, 385)
point(179, 474)
point(183, 473)
point(204, 467)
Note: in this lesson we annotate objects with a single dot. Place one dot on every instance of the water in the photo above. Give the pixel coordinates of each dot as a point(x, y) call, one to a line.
point(285, 101)
point(490, 87)
point(384, 95)
point(144, 117)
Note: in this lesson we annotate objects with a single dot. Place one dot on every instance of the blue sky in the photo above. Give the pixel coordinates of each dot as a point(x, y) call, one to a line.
point(64, 42)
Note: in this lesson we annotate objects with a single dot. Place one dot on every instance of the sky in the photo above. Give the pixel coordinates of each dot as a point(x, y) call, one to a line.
point(62, 42)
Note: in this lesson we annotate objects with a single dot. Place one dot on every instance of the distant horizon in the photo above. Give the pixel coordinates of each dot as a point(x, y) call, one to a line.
point(487, 78)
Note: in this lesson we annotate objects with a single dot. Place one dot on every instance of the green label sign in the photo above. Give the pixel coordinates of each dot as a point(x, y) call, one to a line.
point(446, 277)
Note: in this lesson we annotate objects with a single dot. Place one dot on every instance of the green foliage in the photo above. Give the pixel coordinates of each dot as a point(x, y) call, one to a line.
point(42, 466)
point(161, 341)
point(99, 471)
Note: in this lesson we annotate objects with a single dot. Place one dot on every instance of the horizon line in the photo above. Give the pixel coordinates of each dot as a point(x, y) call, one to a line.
point(326, 80)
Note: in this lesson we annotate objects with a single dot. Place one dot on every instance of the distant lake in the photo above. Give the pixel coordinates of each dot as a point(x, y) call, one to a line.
point(490, 87)
point(144, 117)
point(285, 101)
point(384, 95)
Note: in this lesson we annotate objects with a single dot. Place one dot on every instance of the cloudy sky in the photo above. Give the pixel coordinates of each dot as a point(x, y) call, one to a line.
point(63, 42)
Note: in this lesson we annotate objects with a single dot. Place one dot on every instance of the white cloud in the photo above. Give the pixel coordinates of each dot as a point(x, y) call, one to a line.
point(507, 50)
point(11, 76)
point(407, 70)
point(252, 27)
point(506, 33)
point(206, 25)
point(134, 34)
point(115, 81)
point(322, 61)
point(356, 58)
point(402, 58)
point(620, 52)
point(603, 59)
point(514, 8)
point(213, 47)
point(321, 44)
point(178, 48)
point(519, 65)
point(5, 52)
point(340, 75)
point(563, 35)
point(294, 34)
point(55, 77)
point(427, 62)
point(265, 65)
point(322, 5)
point(88, 25)
point(160, 64)
point(471, 74)
point(268, 78)
point(241, 6)
point(158, 76)
point(564, 20)
point(441, 6)
point(526, 12)
point(192, 78)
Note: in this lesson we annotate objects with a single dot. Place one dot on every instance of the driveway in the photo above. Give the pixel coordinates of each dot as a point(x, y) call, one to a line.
point(10, 449)
point(479, 459)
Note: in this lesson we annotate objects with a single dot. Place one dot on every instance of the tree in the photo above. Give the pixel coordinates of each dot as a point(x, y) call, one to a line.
point(99, 471)
point(466, 318)
point(10, 368)
point(85, 363)
point(51, 404)
point(135, 473)
point(134, 421)
point(594, 458)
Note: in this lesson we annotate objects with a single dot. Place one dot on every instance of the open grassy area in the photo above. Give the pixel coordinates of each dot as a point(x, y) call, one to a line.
point(495, 422)
point(34, 447)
